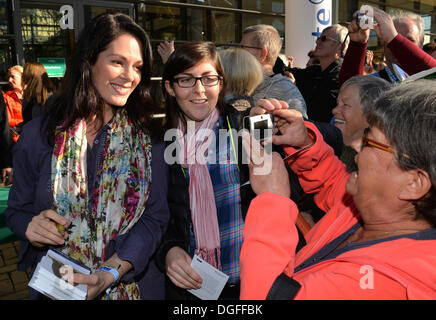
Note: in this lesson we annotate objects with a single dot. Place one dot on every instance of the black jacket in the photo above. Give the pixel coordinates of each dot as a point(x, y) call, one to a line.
point(6, 141)
point(319, 88)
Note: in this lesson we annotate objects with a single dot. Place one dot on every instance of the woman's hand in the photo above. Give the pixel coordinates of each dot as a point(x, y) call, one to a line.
point(275, 179)
point(7, 176)
point(100, 280)
point(97, 282)
point(179, 270)
point(42, 230)
point(165, 49)
point(289, 122)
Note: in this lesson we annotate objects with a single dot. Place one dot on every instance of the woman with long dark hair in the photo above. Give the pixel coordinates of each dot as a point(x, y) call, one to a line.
point(90, 176)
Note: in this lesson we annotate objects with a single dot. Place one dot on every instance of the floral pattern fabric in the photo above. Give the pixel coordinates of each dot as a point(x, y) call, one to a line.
point(119, 194)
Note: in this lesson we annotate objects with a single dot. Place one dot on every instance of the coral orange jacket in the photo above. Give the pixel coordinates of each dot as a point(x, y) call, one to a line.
point(400, 267)
point(14, 110)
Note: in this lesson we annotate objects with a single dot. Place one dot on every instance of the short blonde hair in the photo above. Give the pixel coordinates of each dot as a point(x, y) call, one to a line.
point(242, 72)
point(17, 68)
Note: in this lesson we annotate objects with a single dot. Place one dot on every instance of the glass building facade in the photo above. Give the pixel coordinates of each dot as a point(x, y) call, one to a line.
point(30, 29)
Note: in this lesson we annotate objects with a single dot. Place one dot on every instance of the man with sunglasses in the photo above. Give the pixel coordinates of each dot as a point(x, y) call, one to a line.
point(377, 239)
point(319, 83)
point(264, 43)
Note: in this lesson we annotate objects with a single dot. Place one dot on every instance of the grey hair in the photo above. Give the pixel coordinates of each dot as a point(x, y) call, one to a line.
point(341, 36)
point(340, 31)
point(370, 88)
point(266, 36)
point(398, 15)
point(406, 115)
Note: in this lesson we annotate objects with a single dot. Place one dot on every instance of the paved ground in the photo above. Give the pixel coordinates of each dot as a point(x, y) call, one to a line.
point(13, 283)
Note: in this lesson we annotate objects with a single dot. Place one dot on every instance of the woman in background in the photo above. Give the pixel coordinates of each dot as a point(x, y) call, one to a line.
point(37, 88)
point(13, 99)
point(243, 74)
point(10, 118)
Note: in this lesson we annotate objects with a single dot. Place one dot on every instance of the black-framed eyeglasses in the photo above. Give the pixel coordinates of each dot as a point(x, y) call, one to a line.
point(190, 81)
point(324, 38)
point(248, 47)
point(367, 142)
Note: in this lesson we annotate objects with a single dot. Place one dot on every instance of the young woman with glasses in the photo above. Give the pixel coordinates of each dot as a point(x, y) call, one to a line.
point(204, 196)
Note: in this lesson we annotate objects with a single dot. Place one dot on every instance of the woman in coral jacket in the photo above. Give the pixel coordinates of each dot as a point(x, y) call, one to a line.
point(11, 117)
point(14, 97)
point(378, 237)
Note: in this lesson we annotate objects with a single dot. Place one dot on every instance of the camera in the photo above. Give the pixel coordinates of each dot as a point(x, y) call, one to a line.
point(365, 21)
point(261, 126)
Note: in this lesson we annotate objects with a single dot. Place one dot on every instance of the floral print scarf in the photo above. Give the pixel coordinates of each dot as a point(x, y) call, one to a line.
point(119, 194)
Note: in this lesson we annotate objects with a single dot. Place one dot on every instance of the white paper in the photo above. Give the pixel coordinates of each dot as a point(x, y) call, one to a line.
point(213, 280)
point(48, 280)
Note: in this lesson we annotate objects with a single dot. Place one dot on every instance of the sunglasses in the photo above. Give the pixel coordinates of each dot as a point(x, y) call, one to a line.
point(324, 38)
point(367, 142)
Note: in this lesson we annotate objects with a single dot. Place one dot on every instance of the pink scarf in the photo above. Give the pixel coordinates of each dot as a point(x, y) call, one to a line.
point(194, 145)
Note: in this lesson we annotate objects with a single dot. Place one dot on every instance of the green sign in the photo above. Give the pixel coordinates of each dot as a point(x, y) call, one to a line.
point(55, 66)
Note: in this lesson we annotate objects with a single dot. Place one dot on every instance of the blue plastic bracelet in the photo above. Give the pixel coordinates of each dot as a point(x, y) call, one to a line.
point(113, 271)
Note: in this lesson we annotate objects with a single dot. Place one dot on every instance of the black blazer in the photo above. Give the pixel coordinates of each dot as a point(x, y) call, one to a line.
point(6, 141)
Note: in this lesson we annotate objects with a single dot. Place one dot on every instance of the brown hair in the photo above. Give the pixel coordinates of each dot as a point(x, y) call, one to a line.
point(184, 57)
point(36, 83)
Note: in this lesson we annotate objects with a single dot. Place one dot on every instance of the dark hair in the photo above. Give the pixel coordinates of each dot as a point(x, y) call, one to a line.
point(79, 99)
point(184, 57)
point(407, 116)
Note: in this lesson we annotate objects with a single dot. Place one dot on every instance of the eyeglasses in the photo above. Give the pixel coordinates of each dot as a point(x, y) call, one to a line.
point(372, 143)
point(248, 47)
point(324, 38)
point(189, 81)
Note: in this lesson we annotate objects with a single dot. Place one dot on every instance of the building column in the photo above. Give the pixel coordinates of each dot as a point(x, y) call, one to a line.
point(304, 22)
point(18, 35)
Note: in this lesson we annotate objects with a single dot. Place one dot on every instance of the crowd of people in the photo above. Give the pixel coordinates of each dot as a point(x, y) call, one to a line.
point(96, 176)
